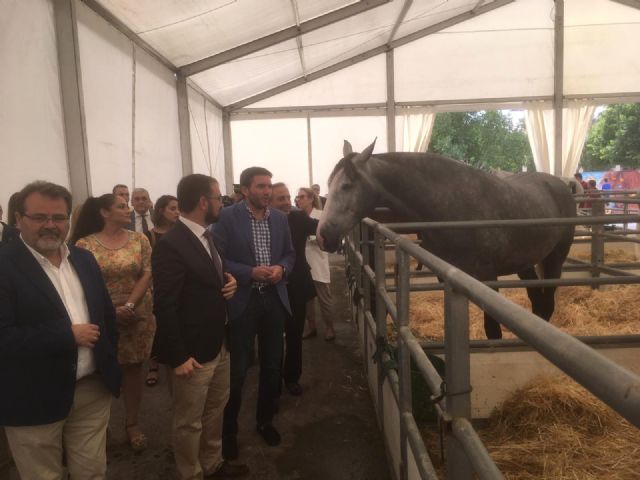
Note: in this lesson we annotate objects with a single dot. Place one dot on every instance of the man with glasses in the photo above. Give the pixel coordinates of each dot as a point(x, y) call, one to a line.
point(58, 339)
point(190, 293)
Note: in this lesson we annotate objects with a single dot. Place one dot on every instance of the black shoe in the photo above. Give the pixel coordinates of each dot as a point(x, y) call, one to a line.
point(229, 470)
point(270, 434)
point(229, 447)
point(294, 388)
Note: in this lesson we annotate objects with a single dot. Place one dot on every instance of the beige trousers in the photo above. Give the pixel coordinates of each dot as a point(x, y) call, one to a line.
point(37, 450)
point(198, 406)
point(323, 290)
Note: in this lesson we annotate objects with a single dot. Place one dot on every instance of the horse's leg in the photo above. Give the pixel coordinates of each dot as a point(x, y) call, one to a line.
point(492, 328)
point(552, 265)
point(535, 294)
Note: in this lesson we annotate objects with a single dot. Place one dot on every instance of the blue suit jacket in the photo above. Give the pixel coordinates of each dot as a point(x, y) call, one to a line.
point(38, 353)
point(234, 240)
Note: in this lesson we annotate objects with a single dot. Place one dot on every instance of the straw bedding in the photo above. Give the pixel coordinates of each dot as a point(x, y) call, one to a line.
point(579, 311)
point(555, 429)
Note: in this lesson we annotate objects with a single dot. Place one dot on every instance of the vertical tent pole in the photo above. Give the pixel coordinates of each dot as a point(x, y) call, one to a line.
point(228, 151)
point(391, 103)
point(75, 129)
point(184, 124)
point(558, 85)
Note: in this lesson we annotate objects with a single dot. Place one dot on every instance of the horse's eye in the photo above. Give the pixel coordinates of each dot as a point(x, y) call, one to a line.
point(346, 186)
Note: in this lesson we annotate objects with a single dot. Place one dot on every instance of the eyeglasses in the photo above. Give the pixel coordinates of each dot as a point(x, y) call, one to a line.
point(211, 197)
point(42, 218)
point(300, 196)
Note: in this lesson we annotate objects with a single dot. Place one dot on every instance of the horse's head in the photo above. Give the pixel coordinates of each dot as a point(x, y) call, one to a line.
point(351, 197)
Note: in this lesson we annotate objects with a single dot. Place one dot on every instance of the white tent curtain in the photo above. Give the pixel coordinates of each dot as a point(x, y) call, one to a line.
point(417, 127)
point(576, 119)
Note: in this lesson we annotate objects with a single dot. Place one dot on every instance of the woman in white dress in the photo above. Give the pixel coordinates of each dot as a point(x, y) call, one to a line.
point(319, 262)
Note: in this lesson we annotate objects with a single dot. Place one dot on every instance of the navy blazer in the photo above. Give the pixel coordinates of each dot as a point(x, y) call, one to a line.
point(8, 233)
point(38, 352)
point(233, 237)
point(188, 303)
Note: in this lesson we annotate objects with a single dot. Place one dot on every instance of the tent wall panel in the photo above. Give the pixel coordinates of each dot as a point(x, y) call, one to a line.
point(31, 118)
point(198, 130)
point(157, 139)
point(278, 145)
point(107, 77)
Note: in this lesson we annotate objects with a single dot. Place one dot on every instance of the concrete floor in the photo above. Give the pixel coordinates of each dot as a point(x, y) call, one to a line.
point(328, 433)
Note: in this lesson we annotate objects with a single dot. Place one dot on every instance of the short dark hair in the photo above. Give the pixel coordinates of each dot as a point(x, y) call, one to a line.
point(578, 176)
point(278, 185)
point(12, 207)
point(247, 175)
point(47, 189)
point(120, 185)
point(90, 219)
point(191, 188)
point(161, 203)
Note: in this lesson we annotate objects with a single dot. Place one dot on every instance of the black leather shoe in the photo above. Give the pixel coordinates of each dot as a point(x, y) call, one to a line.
point(229, 470)
point(270, 434)
point(294, 388)
point(229, 447)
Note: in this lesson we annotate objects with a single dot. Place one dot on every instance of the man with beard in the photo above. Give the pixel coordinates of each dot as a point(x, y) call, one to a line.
point(256, 245)
point(190, 294)
point(299, 286)
point(58, 339)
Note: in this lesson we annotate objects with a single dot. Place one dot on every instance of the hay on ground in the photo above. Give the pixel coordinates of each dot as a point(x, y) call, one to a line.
point(555, 429)
point(579, 311)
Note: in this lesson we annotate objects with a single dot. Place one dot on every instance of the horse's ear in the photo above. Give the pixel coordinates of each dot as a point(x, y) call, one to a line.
point(346, 149)
point(366, 153)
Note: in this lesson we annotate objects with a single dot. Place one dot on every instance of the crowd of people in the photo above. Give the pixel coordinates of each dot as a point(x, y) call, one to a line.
point(94, 300)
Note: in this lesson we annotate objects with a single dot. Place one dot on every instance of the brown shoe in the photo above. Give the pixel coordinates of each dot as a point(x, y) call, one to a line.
point(229, 470)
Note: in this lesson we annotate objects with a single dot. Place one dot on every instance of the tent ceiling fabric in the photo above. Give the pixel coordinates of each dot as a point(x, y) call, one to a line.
point(512, 43)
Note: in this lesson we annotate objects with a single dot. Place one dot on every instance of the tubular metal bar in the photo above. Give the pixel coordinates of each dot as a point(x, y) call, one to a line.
point(423, 461)
point(390, 306)
point(614, 271)
point(559, 282)
point(426, 368)
point(404, 355)
point(482, 463)
point(529, 222)
point(457, 376)
point(617, 387)
point(383, 303)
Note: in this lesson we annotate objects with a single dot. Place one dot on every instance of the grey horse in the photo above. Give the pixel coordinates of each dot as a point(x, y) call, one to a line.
point(425, 187)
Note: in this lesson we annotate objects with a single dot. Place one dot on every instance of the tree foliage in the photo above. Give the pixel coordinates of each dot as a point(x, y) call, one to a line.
point(614, 139)
point(482, 139)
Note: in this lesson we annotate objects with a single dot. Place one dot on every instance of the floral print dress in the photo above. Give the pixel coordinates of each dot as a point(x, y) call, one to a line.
point(121, 269)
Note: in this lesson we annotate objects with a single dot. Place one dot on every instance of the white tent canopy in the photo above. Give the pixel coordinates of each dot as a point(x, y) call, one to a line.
point(98, 92)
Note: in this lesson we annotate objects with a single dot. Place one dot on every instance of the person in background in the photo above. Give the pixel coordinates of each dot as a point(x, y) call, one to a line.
point(122, 191)
point(191, 290)
point(7, 232)
point(140, 220)
point(164, 217)
point(12, 209)
point(58, 344)
point(255, 242)
point(319, 263)
point(316, 189)
point(299, 286)
point(125, 261)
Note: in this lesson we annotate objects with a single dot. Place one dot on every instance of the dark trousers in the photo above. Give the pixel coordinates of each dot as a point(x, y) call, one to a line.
point(293, 328)
point(265, 317)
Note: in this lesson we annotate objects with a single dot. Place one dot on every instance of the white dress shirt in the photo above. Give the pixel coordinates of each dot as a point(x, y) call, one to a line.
point(198, 230)
point(138, 222)
point(67, 284)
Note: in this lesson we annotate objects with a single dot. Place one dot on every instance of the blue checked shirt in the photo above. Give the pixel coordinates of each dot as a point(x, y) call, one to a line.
point(261, 240)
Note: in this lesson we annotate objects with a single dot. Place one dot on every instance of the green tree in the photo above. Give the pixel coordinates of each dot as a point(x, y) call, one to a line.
point(482, 139)
point(614, 139)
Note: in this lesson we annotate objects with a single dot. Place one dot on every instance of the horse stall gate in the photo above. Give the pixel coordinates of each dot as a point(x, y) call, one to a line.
point(606, 366)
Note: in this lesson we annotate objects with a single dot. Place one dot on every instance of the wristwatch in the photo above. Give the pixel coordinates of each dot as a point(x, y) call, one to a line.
point(130, 305)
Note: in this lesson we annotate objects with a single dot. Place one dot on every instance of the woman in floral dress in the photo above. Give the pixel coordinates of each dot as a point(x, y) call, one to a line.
point(125, 260)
